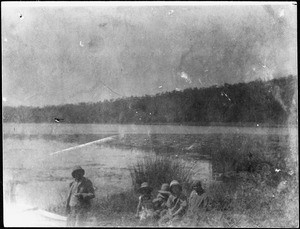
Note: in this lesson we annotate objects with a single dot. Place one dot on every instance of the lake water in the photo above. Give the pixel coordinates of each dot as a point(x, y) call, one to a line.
point(59, 128)
point(30, 162)
point(43, 178)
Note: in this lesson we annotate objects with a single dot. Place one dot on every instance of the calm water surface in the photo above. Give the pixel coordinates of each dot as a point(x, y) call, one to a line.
point(59, 128)
point(43, 178)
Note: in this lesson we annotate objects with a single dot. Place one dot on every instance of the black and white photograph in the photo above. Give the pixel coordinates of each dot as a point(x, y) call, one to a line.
point(150, 114)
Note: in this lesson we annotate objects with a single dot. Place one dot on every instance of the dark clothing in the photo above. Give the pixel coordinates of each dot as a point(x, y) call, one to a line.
point(177, 205)
point(78, 202)
point(160, 205)
point(83, 187)
point(176, 209)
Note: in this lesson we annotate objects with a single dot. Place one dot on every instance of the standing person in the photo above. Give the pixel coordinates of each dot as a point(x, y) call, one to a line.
point(78, 201)
point(145, 210)
point(177, 204)
point(160, 202)
point(198, 200)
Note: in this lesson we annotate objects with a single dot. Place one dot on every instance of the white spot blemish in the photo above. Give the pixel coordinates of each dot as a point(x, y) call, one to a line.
point(257, 124)
point(206, 70)
point(4, 99)
point(81, 44)
point(264, 66)
point(177, 89)
point(170, 12)
point(160, 87)
point(253, 69)
point(200, 81)
point(227, 96)
point(281, 14)
point(186, 77)
point(277, 170)
point(5, 39)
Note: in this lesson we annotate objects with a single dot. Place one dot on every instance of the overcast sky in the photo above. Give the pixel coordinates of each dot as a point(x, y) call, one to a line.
point(59, 55)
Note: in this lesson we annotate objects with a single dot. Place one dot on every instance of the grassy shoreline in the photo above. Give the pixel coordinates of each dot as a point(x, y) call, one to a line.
point(246, 200)
point(242, 199)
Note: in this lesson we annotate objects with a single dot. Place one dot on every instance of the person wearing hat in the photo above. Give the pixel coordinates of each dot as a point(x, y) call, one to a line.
point(145, 208)
point(198, 200)
point(177, 204)
point(78, 201)
point(160, 201)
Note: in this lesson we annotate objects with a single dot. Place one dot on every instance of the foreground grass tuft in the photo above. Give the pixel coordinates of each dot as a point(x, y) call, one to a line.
point(158, 170)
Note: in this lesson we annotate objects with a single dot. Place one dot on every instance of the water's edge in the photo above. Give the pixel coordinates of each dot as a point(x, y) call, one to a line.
point(58, 128)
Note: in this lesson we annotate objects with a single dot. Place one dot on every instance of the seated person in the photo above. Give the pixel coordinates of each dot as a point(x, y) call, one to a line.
point(160, 201)
point(177, 204)
point(198, 200)
point(145, 208)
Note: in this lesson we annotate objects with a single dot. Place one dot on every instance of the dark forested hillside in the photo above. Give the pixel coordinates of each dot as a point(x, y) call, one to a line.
point(255, 102)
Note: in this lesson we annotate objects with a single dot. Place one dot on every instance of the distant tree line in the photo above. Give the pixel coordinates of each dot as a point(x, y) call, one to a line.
point(267, 102)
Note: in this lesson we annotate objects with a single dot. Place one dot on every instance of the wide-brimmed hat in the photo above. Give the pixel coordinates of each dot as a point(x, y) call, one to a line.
point(175, 183)
point(77, 168)
point(165, 189)
point(145, 186)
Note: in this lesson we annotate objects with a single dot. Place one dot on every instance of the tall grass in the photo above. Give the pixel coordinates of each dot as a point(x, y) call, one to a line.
point(123, 202)
point(158, 170)
point(249, 203)
point(244, 199)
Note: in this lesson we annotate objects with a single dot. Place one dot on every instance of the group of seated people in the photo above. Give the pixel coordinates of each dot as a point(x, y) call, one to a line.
point(171, 204)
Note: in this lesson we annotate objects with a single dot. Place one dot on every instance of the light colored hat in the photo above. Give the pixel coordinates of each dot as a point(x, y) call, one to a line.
point(165, 189)
point(175, 183)
point(77, 168)
point(145, 186)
